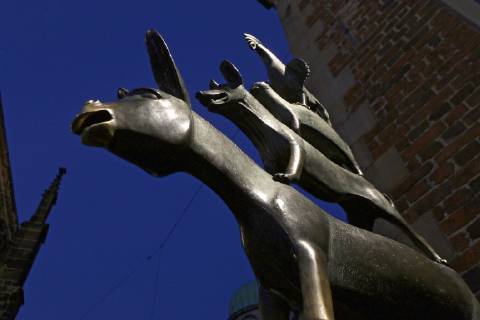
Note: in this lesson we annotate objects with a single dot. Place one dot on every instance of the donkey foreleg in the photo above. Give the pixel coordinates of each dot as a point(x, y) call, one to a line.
point(316, 293)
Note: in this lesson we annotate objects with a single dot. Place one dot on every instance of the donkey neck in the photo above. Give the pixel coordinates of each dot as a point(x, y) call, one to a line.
point(226, 169)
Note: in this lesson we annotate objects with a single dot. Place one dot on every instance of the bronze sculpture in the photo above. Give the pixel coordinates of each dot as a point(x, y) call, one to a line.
point(304, 259)
point(307, 125)
point(288, 80)
point(281, 148)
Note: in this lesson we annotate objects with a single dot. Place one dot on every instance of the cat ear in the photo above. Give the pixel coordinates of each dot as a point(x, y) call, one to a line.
point(165, 71)
point(122, 93)
point(213, 84)
point(231, 73)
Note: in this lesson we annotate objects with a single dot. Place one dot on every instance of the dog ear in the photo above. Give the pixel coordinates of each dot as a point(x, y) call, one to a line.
point(165, 71)
point(122, 93)
point(213, 84)
point(231, 73)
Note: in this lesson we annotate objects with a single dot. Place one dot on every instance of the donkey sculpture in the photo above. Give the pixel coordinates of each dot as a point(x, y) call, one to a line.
point(304, 259)
point(281, 148)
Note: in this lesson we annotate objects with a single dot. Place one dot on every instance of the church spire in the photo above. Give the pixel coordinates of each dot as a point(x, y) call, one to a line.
point(19, 244)
point(8, 210)
point(49, 198)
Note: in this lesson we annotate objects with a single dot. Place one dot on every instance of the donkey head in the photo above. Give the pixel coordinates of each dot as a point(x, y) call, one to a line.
point(147, 127)
point(223, 98)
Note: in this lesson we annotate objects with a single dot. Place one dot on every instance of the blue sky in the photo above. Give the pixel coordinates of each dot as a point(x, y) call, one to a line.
point(111, 216)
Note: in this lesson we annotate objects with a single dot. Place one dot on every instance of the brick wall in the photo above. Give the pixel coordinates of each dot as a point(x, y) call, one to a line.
point(406, 81)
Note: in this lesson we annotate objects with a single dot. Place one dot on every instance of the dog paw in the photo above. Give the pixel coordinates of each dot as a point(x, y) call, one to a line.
point(285, 178)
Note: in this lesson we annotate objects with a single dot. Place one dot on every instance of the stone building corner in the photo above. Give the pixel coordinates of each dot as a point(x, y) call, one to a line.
point(19, 243)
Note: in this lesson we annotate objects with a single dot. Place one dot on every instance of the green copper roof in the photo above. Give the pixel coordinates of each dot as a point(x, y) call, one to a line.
point(245, 296)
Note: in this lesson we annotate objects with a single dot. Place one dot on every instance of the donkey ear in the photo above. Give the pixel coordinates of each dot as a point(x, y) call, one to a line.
point(122, 93)
point(165, 71)
point(213, 84)
point(231, 73)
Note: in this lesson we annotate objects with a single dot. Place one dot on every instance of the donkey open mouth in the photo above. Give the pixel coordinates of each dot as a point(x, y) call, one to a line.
point(94, 127)
point(85, 120)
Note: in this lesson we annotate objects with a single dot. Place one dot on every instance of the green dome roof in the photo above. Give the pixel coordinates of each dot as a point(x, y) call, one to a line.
point(245, 296)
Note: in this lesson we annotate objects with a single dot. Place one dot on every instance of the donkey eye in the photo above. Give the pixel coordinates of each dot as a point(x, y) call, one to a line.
point(150, 95)
point(146, 93)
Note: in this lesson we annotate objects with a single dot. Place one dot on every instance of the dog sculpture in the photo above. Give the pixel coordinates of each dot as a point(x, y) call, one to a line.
point(281, 148)
point(304, 259)
point(307, 124)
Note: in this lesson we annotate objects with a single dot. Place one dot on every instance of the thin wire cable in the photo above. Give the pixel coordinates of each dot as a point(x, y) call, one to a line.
point(177, 222)
point(127, 276)
point(110, 291)
point(155, 287)
point(157, 272)
point(124, 279)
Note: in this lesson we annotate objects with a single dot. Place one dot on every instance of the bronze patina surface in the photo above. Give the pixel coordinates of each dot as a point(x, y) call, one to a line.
point(304, 259)
point(290, 158)
point(288, 80)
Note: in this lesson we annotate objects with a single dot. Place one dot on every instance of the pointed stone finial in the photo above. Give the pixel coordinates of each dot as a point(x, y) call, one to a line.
point(49, 198)
point(8, 210)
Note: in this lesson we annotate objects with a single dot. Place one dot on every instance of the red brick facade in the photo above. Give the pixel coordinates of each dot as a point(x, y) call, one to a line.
point(416, 65)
